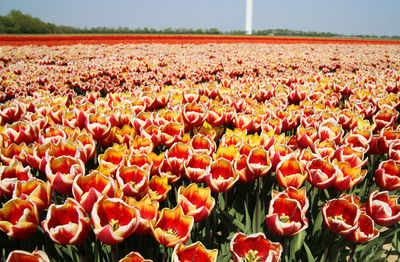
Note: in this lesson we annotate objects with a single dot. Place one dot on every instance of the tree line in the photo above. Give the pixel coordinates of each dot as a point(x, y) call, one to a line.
point(16, 22)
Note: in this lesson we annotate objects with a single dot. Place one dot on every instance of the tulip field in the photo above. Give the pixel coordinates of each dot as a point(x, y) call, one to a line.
point(199, 149)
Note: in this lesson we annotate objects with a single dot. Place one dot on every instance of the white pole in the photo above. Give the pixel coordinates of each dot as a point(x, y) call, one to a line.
point(249, 16)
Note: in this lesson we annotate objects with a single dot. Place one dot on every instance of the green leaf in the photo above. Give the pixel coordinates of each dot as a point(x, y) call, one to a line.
point(310, 257)
point(317, 224)
point(296, 243)
point(247, 228)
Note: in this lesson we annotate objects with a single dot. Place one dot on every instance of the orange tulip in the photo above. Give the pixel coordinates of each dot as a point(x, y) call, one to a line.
point(222, 176)
point(197, 167)
point(19, 218)
point(67, 224)
point(289, 172)
point(20, 255)
point(196, 201)
point(113, 220)
point(132, 180)
point(36, 190)
point(10, 175)
point(148, 210)
point(172, 227)
point(134, 257)
point(193, 252)
point(88, 189)
point(61, 172)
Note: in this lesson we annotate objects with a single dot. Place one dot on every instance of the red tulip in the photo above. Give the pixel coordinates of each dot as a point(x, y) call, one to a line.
point(341, 216)
point(61, 172)
point(300, 195)
point(148, 210)
point(21, 132)
point(133, 181)
point(88, 189)
point(134, 257)
point(387, 176)
point(197, 167)
point(19, 218)
point(113, 220)
point(365, 230)
point(10, 175)
point(158, 188)
point(196, 201)
point(255, 247)
point(177, 155)
point(67, 224)
point(258, 162)
point(285, 217)
point(289, 172)
point(172, 227)
point(36, 190)
point(321, 173)
point(383, 208)
point(20, 255)
point(193, 252)
point(222, 176)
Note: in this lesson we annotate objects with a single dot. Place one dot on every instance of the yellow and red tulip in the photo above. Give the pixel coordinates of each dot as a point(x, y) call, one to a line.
point(383, 208)
point(61, 172)
point(196, 201)
point(88, 189)
point(19, 218)
point(21, 255)
point(289, 172)
point(133, 181)
point(222, 176)
point(341, 216)
point(172, 227)
point(36, 190)
point(67, 224)
point(194, 252)
point(113, 220)
point(254, 247)
point(11, 174)
point(148, 210)
point(158, 188)
point(197, 167)
point(347, 176)
point(285, 217)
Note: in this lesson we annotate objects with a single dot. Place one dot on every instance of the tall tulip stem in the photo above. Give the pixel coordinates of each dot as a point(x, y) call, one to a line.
point(257, 200)
point(353, 250)
point(328, 245)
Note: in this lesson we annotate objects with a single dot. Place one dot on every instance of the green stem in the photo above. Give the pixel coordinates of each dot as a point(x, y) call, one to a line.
point(257, 201)
point(328, 246)
point(353, 250)
point(113, 253)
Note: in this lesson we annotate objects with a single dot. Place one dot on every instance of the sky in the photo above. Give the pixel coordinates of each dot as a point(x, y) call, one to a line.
point(373, 17)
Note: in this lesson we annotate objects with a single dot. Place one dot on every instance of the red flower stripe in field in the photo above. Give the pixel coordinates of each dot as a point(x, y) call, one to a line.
point(51, 40)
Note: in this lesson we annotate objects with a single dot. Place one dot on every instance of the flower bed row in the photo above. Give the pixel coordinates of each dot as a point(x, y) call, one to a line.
point(181, 152)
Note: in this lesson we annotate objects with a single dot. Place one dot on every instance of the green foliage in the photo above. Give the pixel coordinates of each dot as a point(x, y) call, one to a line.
point(18, 23)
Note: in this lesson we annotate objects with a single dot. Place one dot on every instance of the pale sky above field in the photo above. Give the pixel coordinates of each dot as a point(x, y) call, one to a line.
point(379, 17)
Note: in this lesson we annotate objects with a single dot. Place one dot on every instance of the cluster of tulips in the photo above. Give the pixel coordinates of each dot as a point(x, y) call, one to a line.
point(199, 153)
